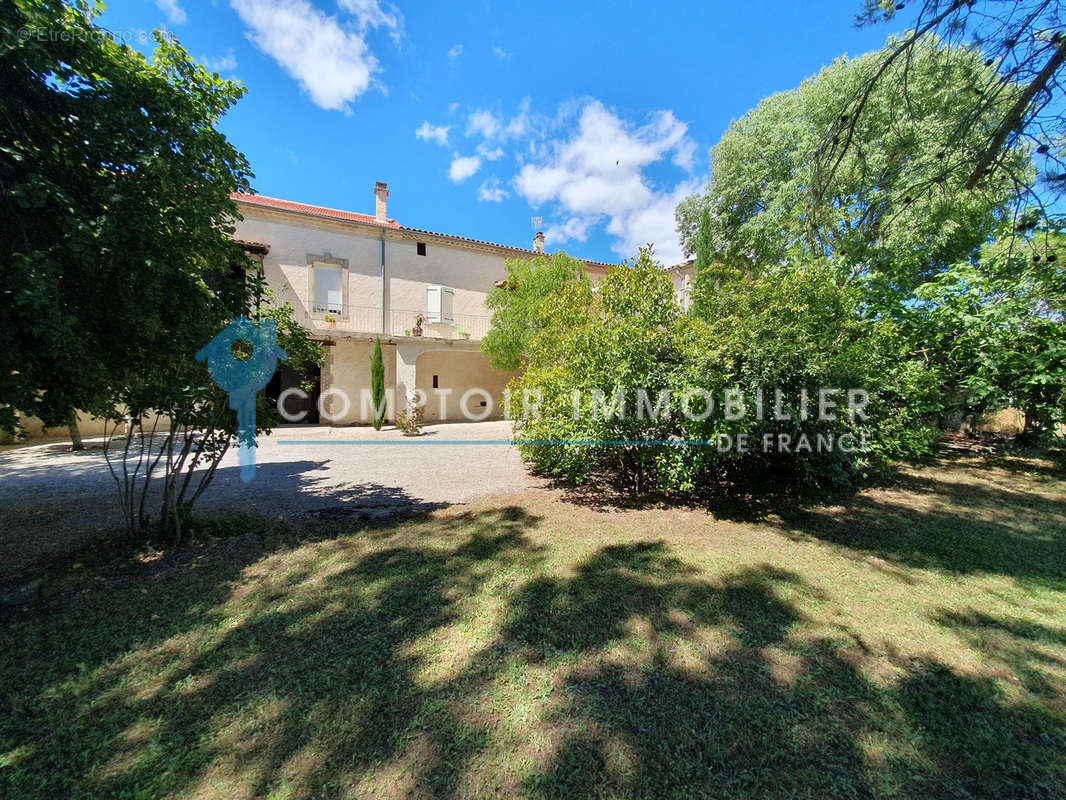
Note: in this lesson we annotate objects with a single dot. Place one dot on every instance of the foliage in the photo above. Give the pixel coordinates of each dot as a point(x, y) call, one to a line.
point(303, 352)
point(1023, 40)
point(377, 386)
point(113, 215)
point(995, 327)
point(889, 211)
point(789, 329)
point(409, 420)
point(119, 264)
point(703, 242)
point(516, 304)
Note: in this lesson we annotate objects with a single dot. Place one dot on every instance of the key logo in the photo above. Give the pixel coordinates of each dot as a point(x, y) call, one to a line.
point(244, 375)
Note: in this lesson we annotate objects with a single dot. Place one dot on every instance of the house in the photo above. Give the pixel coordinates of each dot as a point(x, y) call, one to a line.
point(353, 278)
point(683, 277)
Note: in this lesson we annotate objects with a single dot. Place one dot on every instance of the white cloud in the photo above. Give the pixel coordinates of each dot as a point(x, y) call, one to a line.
point(500, 53)
point(574, 228)
point(491, 192)
point(173, 11)
point(226, 63)
point(685, 155)
point(331, 63)
point(489, 153)
point(598, 173)
point(488, 125)
point(463, 167)
point(483, 123)
point(437, 133)
point(454, 52)
point(370, 14)
point(654, 223)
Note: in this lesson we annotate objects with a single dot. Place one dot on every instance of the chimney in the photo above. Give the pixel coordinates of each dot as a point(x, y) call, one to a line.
point(381, 193)
point(538, 242)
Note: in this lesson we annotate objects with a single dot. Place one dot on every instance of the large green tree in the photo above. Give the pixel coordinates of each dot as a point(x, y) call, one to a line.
point(115, 204)
point(891, 211)
point(996, 328)
point(516, 304)
point(117, 262)
point(1024, 44)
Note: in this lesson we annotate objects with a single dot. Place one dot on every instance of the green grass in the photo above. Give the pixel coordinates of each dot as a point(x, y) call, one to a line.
point(909, 643)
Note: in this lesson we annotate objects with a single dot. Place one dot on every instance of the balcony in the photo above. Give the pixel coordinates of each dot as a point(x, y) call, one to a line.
point(399, 322)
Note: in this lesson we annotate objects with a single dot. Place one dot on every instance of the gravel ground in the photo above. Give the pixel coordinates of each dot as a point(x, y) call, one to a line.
point(52, 499)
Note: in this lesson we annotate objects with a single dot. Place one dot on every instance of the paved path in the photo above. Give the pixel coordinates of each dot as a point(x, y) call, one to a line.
point(51, 498)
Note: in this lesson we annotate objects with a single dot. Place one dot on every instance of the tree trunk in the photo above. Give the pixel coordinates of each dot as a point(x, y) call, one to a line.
point(75, 436)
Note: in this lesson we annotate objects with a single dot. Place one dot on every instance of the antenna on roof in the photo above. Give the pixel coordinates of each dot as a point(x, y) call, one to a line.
point(536, 222)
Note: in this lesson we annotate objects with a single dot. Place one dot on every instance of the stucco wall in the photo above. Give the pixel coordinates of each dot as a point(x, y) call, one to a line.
point(31, 429)
point(294, 242)
point(470, 274)
point(459, 371)
point(347, 368)
point(288, 271)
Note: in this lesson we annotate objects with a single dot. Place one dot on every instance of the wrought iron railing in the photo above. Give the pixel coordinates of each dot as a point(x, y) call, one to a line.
point(399, 322)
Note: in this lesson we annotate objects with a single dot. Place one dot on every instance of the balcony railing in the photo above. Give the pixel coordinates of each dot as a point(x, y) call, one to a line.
point(354, 319)
point(403, 321)
point(399, 322)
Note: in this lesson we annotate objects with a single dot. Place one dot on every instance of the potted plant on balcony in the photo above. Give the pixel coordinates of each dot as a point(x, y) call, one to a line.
point(330, 320)
point(461, 331)
point(417, 329)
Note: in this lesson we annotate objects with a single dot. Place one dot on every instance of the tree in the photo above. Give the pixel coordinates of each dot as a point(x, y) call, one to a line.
point(1023, 45)
point(996, 329)
point(703, 243)
point(377, 385)
point(118, 263)
point(617, 383)
point(890, 212)
point(516, 304)
point(115, 205)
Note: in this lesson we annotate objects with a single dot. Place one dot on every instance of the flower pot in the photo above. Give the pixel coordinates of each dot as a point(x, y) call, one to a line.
point(416, 331)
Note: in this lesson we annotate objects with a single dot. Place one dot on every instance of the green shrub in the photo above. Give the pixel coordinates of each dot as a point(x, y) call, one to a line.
point(628, 346)
point(409, 420)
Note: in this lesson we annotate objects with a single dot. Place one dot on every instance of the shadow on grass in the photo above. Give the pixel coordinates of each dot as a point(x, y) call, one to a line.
point(42, 541)
point(957, 516)
point(738, 724)
point(945, 522)
point(343, 669)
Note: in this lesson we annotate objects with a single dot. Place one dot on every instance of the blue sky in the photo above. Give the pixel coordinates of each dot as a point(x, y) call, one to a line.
point(596, 117)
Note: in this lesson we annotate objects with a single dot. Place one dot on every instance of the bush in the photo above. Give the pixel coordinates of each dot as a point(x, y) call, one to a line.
point(627, 350)
point(409, 420)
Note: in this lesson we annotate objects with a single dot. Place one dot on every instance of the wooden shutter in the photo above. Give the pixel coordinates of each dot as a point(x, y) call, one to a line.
point(433, 303)
point(447, 301)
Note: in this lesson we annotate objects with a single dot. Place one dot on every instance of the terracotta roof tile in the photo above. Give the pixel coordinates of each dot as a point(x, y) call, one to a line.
point(368, 219)
point(316, 211)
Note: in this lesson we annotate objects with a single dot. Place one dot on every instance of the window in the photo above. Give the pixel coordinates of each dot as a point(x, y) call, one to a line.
point(440, 300)
point(421, 247)
point(329, 289)
point(682, 292)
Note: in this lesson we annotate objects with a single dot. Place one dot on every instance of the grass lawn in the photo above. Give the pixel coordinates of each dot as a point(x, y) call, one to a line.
point(910, 643)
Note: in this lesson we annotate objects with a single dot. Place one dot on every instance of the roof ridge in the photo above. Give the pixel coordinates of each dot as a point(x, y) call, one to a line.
point(357, 216)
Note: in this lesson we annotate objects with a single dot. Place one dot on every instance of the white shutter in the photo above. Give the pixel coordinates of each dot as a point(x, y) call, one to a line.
point(433, 298)
point(447, 301)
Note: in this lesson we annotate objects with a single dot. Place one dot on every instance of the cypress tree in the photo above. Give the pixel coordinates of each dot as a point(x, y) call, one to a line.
point(377, 386)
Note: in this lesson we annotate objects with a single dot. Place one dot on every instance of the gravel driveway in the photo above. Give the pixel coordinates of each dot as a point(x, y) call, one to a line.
point(51, 498)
